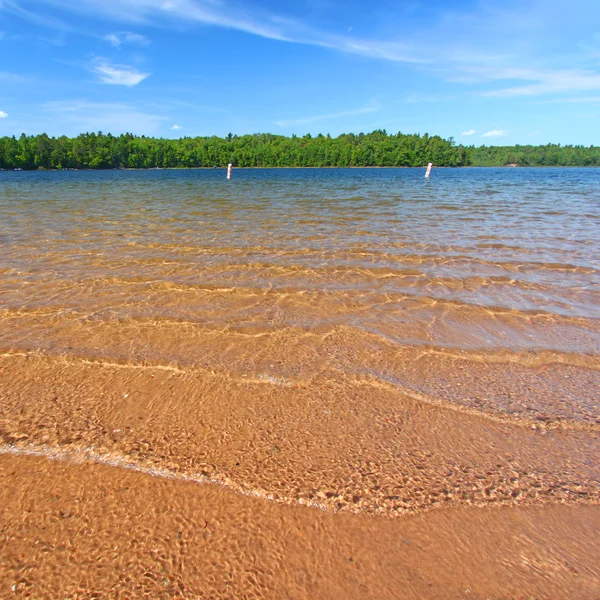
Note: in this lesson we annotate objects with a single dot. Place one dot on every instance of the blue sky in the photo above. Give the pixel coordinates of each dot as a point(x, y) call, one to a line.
point(493, 72)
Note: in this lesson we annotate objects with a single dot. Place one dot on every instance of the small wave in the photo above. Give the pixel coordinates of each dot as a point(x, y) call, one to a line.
point(488, 407)
point(90, 455)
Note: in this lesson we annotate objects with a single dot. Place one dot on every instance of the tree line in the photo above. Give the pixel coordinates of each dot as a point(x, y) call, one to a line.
point(375, 149)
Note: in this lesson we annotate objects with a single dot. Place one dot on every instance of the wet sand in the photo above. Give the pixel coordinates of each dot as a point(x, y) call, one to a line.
point(303, 386)
point(120, 480)
point(353, 445)
point(95, 531)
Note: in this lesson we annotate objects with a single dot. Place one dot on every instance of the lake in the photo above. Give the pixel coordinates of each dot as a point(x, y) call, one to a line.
point(359, 341)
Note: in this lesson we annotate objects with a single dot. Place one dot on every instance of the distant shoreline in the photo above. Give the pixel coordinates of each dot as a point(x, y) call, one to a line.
point(378, 150)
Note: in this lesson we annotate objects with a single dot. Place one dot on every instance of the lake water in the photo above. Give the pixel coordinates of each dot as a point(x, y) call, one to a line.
point(304, 322)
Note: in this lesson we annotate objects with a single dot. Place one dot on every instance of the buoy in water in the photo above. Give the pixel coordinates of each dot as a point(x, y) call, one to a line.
point(428, 170)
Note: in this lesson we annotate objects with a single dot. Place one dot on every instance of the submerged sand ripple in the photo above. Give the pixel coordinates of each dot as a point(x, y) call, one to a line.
point(341, 443)
point(81, 531)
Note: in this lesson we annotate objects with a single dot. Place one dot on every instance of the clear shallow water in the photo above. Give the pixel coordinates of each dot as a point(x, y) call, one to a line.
point(301, 335)
point(343, 269)
point(471, 244)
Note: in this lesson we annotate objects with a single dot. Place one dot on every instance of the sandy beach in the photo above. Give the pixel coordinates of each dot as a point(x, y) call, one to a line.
point(120, 480)
point(103, 532)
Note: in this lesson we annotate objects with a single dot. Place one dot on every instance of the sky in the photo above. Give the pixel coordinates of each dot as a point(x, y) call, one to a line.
point(483, 72)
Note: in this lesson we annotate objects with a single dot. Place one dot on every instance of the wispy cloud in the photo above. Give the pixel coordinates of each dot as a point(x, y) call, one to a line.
point(117, 74)
point(6, 76)
point(250, 19)
point(462, 45)
point(392, 51)
point(556, 81)
point(76, 116)
point(373, 106)
point(470, 132)
point(126, 37)
point(458, 40)
point(160, 12)
point(163, 102)
point(58, 40)
point(176, 127)
point(495, 133)
point(584, 100)
point(3, 115)
point(418, 98)
point(50, 21)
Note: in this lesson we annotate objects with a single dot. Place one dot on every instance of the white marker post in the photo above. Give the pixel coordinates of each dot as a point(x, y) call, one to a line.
point(428, 170)
point(229, 170)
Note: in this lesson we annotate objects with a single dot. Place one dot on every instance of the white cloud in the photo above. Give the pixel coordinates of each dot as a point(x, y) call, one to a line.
point(495, 133)
point(117, 74)
point(159, 12)
point(113, 39)
point(464, 45)
point(135, 38)
point(544, 81)
point(3, 115)
point(369, 108)
point(126, 37)
point(72, 117)
point(470, 132)
point(250, 19)
point(392, 51)
point(175, 127)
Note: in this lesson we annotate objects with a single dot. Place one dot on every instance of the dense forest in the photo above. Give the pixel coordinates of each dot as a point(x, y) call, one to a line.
point(375, 149)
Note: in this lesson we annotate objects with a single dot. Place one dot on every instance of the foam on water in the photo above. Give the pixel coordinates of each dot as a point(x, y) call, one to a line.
point(83, 455)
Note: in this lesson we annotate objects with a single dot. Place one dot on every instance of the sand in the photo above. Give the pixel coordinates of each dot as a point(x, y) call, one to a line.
point(121, 480)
